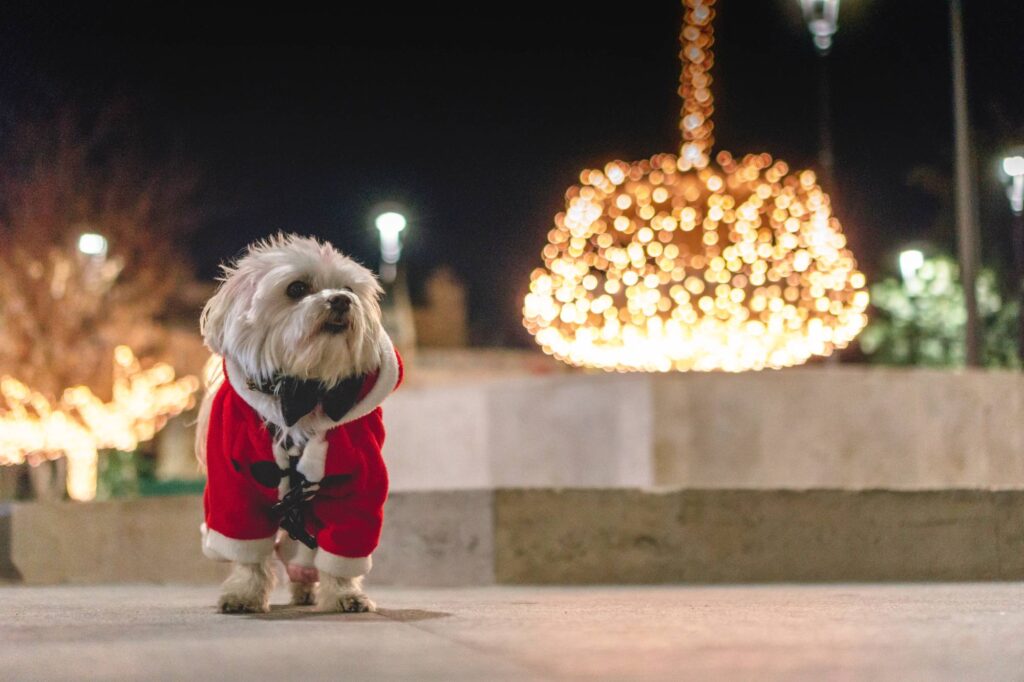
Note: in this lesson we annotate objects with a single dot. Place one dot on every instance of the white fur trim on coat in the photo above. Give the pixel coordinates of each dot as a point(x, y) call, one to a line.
point(268, 408)
point(342, 566)
point(387, 380)
point(314, 459)
point(222, 548)
point(314, 454)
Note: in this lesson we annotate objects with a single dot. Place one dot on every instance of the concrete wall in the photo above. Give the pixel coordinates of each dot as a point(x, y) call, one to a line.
point(835, 427)
point(850, 427)
point(572, 430)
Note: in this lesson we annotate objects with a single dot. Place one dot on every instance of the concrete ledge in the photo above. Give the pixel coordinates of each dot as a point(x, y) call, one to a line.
point(442, 539)
point(708, 536)
point(573, 536)
point(147, 540)
point(8, 572)
point(429, 538)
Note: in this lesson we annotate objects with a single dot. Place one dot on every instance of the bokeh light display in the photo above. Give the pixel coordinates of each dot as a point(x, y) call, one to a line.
point(681, 263)
point(80, 424)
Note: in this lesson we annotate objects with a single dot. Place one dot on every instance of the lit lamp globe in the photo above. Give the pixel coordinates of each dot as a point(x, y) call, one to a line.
point(92, 244)
point(390, 225)
point(1013, 167)
point(396, 307)
point(679, 262)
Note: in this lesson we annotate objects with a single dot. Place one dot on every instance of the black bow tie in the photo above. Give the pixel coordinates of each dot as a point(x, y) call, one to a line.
point(299, 397)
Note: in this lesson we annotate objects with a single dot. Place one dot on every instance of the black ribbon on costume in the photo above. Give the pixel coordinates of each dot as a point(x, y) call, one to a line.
point(299, 397)
point(291, 510)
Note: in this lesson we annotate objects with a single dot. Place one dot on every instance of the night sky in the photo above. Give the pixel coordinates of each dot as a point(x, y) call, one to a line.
point(478, 124)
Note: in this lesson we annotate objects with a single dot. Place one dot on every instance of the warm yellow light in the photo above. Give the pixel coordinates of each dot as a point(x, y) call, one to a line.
point(680, 263)
point(80, 424)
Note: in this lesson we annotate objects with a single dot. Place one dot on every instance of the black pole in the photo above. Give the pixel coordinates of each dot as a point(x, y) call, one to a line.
point(966, 212)
point(1018, 261)
point(826, 151)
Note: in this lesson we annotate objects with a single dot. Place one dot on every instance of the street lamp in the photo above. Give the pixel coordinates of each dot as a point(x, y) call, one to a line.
point(390, 224)
point(1013, 168)
point(968, 238)
point(92, 244)
point(822, 18)
point(396, 305)
point(911, 261)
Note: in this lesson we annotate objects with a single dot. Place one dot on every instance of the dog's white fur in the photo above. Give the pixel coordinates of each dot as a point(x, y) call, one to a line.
point(260, 331)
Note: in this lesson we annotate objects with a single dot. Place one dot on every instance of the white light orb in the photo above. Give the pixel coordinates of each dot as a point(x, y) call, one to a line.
point(92, 244)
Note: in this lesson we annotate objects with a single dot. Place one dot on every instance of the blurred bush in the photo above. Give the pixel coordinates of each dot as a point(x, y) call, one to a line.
point(920, 320)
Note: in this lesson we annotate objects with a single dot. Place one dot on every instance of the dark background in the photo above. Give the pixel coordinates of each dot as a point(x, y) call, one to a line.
point(478, 119)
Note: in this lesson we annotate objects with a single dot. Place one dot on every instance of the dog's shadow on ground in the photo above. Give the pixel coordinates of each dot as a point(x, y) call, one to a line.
point(288, 612)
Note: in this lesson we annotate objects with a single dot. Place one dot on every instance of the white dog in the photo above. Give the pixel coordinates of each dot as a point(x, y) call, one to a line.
point(293, 437)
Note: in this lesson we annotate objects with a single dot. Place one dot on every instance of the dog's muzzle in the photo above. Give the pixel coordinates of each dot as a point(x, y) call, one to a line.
point(339, 314)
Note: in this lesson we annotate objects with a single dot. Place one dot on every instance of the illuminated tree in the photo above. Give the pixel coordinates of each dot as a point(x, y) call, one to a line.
point(90, 256)
point(689, 263)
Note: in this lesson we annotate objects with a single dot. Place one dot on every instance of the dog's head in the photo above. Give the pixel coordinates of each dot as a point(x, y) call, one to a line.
point(296, 306)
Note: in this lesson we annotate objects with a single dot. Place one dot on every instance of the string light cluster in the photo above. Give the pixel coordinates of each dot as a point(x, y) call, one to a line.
point(80, 424)
point(673, 263)
point(695, 41)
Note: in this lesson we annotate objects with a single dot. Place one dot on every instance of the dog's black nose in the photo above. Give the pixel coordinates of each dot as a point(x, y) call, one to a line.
point(340, 303)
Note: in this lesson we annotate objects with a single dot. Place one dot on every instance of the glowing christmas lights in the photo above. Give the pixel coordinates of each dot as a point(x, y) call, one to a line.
point(80, 424)
point(672, 263)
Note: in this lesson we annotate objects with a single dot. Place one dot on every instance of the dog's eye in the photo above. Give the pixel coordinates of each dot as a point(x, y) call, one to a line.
point(297, 289)
point(348, 289)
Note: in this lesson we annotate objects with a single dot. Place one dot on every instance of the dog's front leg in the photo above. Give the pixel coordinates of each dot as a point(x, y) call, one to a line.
point(343, 594)
point(247, 589)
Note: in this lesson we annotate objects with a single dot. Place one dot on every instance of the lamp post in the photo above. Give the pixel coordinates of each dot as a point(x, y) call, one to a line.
point(1013, 166)
point(92, 244)
point(396, 307)
point(1013, 169)
point(822, 17)
point(968, 241)
point(911, 261)
point(390, 225)
point(92, 253)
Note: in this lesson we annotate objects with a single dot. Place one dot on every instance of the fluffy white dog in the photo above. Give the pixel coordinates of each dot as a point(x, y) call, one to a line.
point(291, 431)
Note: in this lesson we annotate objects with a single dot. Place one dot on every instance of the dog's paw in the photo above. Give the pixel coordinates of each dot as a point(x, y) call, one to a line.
point(240, 603)
point(303, 594)
point(348, 602)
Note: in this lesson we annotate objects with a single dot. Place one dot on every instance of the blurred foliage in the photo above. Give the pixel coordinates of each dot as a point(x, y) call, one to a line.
point(118, 474)
point(133, 474)
point(921, 321)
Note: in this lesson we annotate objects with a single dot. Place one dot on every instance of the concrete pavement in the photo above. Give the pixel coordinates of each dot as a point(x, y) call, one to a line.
point(780, 632)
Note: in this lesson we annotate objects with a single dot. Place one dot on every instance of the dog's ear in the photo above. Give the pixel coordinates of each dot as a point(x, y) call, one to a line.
point(211, 322)
point(214, 318)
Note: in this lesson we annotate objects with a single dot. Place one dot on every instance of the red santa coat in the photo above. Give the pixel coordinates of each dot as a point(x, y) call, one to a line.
point(346, 514)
